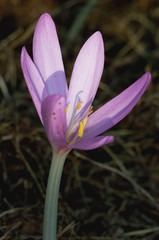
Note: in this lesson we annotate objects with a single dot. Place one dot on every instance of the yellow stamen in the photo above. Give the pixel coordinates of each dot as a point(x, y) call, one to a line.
point(81, 127)
point(84, 121)
point(77, 122)
point(66, 110)
point(78, 106)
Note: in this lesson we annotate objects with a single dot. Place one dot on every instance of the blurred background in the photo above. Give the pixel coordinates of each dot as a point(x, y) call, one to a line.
point(111, 193)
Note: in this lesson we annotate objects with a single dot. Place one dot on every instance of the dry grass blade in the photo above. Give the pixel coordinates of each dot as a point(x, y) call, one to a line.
point(12, 228)
point(142, 232)
point(136, 186)
point(22, 157)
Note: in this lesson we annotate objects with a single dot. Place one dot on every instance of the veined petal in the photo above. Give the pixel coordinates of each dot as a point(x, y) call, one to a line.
point(92, 143)
point(47, 56)
point(116, 109)
point(54, 119)
point(86, 73)
point(33, 80)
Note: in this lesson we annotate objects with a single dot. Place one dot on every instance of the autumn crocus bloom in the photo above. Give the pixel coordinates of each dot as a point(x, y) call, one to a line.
point(66, 113)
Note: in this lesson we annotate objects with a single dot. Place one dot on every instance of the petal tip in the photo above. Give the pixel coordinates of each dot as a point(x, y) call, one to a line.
point(111, 139)
point(98, 40)
point(44, 22)
point(23, 54)
point(23, 51)
point(148, 76)
point(97, 36)
point(45, 18)
point(98, 33)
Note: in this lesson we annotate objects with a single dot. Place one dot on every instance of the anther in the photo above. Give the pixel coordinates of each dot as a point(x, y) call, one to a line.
point(81, 127)
point(90, 110)
point(66, 110)
point(84, 121)
point(78, 106)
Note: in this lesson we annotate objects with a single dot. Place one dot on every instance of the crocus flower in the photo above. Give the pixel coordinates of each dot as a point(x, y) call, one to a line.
point(66, 113)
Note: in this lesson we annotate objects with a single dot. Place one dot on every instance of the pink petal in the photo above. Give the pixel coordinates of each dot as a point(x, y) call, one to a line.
point(47, 55)
point(54, 119)
point(116, 109)
point(33, 80)
point(92, 143)
point(86, 73)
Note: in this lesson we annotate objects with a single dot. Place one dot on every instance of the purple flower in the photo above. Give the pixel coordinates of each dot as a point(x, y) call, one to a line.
point(66, 113)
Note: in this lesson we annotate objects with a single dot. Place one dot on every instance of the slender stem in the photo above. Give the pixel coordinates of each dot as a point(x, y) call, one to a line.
point(52, 193)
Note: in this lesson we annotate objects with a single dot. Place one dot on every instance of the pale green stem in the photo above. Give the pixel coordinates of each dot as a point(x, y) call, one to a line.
point(52, 193)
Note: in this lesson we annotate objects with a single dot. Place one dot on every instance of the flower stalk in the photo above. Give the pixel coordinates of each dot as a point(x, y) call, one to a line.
point(52, 193)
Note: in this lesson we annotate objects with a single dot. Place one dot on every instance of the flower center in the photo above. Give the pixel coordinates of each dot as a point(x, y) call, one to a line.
point(77, 123)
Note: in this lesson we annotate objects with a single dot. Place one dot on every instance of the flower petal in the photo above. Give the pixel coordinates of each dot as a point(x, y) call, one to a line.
point(47, 55)
point(86, 73)
point(92, 143)
point(54, 119)
point(116, 109)
point(33, 80)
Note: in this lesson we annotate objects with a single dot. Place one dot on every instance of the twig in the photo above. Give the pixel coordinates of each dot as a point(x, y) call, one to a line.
point(10, 211)
point(136, 186)
point(16, 225)
point(30, 171)
point(4, 88)
point(22, 157)
point(66, 229)
point(141, 232)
